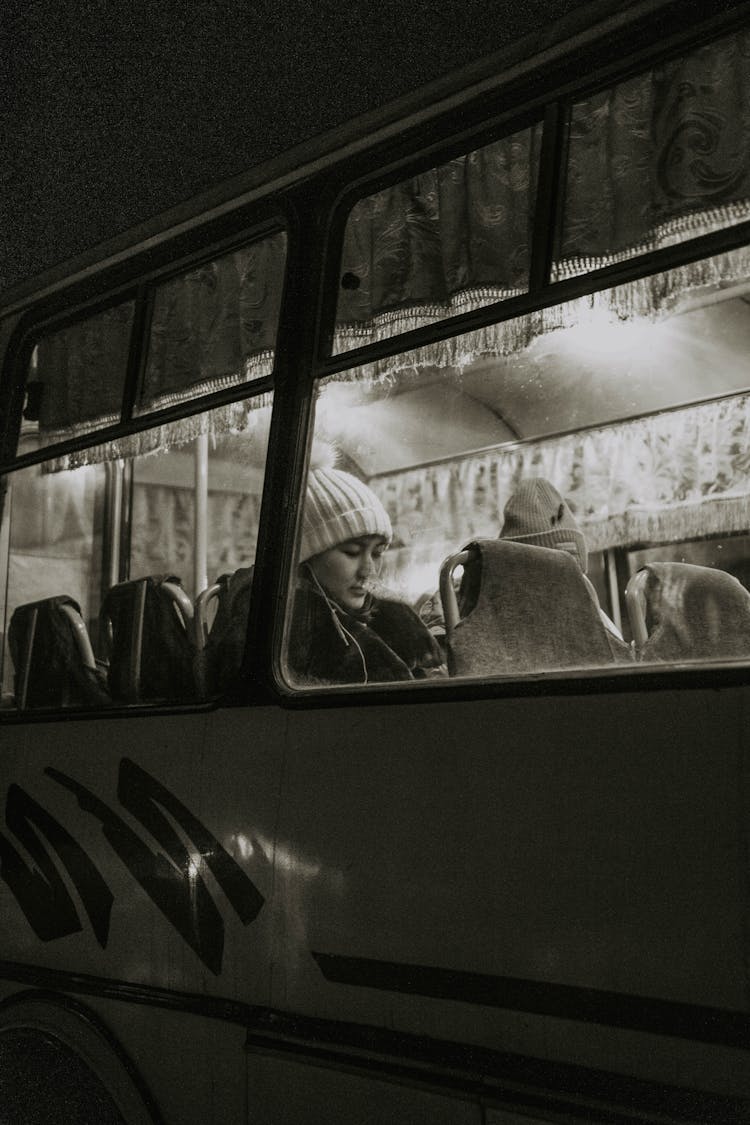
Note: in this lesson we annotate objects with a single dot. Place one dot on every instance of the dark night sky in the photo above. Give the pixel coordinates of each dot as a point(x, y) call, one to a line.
point(114, 111)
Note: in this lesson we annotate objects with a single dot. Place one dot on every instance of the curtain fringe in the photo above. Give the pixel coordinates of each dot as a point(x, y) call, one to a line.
point(646, 297)
point(679, 229)
point(229, 419)
point(649, 297)
point(716, 515)
point(256, 366)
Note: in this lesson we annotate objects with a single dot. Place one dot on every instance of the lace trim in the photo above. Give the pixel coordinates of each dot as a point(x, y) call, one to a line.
point(254, 367)
point(678, 229)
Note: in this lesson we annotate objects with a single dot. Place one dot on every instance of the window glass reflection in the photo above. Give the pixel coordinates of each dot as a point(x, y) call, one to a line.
point(127, 579)
point(542, 454)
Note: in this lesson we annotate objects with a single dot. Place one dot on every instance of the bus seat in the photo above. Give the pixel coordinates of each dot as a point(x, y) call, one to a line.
point(148, 625)
point(221, 643)
point(680, 611)
point(52, 656)
point(522, 608)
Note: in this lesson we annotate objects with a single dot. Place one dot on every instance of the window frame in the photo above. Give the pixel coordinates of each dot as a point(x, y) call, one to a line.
point(312, 211)
point(543, 293)
point(74, 305)
point(141, 291)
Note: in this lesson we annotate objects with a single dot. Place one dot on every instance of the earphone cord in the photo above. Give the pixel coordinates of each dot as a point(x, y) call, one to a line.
point(341, 629)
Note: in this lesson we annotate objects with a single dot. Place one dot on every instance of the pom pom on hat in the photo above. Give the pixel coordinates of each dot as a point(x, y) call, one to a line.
point(339, 506)
point(537, 514)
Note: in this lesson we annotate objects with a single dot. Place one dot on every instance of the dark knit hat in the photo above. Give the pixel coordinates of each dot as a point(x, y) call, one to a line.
point(537, 514)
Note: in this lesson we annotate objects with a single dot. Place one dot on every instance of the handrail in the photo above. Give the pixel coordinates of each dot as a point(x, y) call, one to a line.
point(81, 635)
point(635, 600)
point(200, 622)
point(447, 589)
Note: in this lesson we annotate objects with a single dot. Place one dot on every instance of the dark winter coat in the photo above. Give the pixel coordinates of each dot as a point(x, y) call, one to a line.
point(383, 643)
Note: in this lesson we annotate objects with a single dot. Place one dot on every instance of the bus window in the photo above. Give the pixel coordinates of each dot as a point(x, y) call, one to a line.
point(657, 159)
point(76, 378)
point(186, 510)
point(202, 534)
point(606, 424)
point(215, 326)
point(52, 542)
point(127, 561)
point(442, 242)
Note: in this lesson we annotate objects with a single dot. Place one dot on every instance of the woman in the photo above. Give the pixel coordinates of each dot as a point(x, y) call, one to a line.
point(340, 632)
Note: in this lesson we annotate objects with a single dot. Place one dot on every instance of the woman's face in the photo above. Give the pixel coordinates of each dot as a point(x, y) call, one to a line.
point(346, 570)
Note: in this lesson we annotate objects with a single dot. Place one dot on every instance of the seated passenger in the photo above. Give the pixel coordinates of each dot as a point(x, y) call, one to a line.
point(340, 632)
point(537, 514)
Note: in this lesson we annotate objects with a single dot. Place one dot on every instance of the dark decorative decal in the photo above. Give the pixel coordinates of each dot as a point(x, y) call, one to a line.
point(545, 998)
point(42, 895)
point(175, 884)
point(173, 881)
point(138, 793)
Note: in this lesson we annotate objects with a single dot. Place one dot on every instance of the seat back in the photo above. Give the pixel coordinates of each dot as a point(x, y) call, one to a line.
point(148, 626)
point(52, 656)
point(680, 611)
point(221, 645)
point(522, 608)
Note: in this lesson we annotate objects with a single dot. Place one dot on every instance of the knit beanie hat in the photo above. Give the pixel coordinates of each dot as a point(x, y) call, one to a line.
point(339, 506)
point(537, 514)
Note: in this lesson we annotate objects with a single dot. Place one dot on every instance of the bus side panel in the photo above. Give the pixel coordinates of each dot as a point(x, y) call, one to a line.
point(285, 1092)
point(475, 873)
point(161, 833)
point(443, 859)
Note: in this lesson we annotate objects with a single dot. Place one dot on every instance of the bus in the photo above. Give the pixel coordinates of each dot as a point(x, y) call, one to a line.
point(463, 838)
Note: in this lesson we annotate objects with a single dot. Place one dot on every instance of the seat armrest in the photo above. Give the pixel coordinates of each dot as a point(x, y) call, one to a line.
point(635, 600)
point(447, 589)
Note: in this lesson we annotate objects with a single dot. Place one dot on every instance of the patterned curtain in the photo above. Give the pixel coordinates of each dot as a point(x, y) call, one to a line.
point(672, 476)
point(163, 533)
point(662, 157)
point(655, 160)
point(216, 326)
point(451, 239)
point(77, 375)
point(211, 328)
